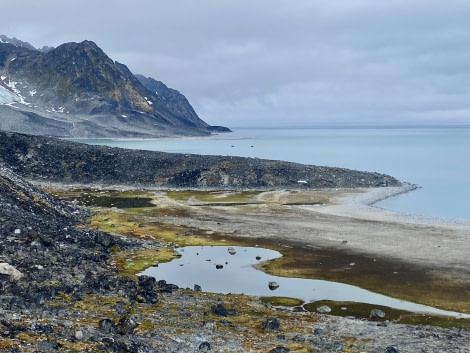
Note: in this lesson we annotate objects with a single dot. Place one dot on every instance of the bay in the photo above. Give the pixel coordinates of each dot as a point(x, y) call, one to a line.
point(434, 158)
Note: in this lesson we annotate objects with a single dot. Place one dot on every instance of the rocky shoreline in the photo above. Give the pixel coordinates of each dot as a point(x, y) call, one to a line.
point(60, 290)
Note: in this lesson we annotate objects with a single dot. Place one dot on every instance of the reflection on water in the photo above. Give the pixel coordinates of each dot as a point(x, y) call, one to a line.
point(222, 269)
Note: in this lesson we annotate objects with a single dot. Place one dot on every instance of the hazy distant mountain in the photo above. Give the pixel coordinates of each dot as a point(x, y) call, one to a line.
point(76, 90)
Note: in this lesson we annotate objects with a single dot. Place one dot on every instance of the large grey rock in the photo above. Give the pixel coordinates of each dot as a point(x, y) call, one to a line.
point(324, 309)
point(377, 313)
point(7, 269)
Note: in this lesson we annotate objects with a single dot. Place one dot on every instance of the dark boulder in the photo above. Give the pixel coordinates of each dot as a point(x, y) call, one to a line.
point(271, 324)
point(107, 326)
point(127, 325)
point(220, 310)
point(205, 346)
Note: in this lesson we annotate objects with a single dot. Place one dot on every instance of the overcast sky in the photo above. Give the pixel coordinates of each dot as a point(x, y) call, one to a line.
point(278, 62)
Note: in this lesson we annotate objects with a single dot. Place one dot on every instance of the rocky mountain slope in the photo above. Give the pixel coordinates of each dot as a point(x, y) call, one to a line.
point(76, 90)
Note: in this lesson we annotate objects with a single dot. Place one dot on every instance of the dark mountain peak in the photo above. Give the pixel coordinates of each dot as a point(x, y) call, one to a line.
point(77, 90)
point(81, 71)
point(86, 47)
point(16, 42)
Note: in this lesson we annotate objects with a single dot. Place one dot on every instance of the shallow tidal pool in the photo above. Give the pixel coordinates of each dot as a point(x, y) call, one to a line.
point(222, 269)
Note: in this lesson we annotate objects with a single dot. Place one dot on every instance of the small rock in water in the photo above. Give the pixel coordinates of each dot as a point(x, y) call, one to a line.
point(231, 251)
point(273, 285)
point(324, 309)
point(258, 258)
point(219, 266)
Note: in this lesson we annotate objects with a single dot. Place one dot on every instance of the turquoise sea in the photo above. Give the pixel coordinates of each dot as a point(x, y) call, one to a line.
point(436, 159)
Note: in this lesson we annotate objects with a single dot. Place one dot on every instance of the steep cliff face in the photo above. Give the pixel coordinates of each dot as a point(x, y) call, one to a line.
point(76, 90)
point(171, 98)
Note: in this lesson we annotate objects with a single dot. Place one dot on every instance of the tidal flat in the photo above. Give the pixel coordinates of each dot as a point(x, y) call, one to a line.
point(314, 243)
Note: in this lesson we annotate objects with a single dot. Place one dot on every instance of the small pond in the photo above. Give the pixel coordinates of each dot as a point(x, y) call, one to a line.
point(222, 269)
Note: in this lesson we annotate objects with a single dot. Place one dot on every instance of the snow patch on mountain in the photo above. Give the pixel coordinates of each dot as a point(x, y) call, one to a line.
point(11, 94)
point(7, 97)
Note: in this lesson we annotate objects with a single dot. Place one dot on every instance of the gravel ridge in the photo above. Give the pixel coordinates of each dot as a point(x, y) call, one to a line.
point(48, 159)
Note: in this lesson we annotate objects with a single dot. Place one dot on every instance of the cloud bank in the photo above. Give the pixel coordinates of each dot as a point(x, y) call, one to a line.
point(281, 63)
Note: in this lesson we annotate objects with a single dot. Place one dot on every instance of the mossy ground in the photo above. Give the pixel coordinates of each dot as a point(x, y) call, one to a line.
point(383, 276)
point(214, 196)
point(282, 301)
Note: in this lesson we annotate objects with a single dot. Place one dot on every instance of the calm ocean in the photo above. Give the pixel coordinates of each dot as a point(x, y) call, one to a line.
point(436, 159)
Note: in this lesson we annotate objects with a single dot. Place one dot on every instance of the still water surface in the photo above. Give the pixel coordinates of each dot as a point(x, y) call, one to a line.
point(238, 276)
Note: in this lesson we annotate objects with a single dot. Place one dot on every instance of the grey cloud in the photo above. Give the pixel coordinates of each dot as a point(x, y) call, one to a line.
point(284, 62)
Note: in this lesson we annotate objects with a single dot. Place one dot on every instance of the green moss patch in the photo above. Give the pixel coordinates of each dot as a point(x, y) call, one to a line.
point(213, 196)
point(282, 301)
point(109, 199)
point(133, 262)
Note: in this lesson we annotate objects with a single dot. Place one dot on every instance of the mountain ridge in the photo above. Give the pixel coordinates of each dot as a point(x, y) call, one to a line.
point(76, 90)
